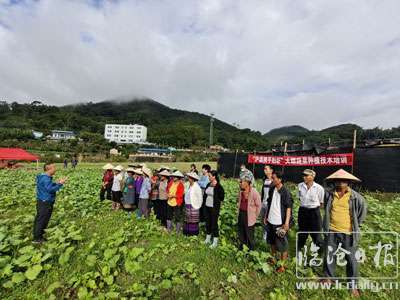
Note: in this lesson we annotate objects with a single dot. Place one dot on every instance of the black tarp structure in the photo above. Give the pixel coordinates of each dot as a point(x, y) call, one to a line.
point(377, 167)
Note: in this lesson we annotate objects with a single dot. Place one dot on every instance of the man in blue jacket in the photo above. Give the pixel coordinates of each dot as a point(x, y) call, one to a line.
point(46, 191)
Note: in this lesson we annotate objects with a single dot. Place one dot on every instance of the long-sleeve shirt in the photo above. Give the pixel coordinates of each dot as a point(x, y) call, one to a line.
point(46, 189)
point(145, 188)
point(203, 181)
point(138, 184)
point(253, 206)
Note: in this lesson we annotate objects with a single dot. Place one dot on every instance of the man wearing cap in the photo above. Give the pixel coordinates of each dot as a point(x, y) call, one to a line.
point(345, 210)
point(311, 196)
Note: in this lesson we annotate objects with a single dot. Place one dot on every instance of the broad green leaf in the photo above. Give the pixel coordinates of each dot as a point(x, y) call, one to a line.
point(132, 266)
point(112, 295)
point(165, 284)
point(135, 252)
point(64, 258)
point(91, 260)
point(33, 272)
point(8, 284)
point(53, 286)
point(18, 277)
point(108, 253)
point(109, 279)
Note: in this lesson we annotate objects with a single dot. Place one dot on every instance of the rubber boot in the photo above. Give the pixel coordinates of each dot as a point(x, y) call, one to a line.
point(169, 226)
point(208, 239)
point(178, 228)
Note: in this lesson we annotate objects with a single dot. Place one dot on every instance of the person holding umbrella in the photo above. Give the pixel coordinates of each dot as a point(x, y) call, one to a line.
point(193, 202)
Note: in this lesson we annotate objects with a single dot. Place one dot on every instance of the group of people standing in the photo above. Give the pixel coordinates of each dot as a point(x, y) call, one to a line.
point(184, 201)
point(344, 211)
point(180, 202)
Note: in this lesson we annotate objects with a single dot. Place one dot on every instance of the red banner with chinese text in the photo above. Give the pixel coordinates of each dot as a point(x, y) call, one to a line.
point(329, 160)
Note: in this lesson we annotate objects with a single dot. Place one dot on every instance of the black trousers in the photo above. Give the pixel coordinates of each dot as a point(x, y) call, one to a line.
point(203, 212)
point(245, 232)
point(211, 218)
point(105, 193)
point(163, 211)
point(309, 221)
point(44, 210)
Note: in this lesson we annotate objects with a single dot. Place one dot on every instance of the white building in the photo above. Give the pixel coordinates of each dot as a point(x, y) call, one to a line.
point(125, 134)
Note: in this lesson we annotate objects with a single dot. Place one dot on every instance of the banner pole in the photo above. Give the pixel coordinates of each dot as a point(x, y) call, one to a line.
point(284, 154)
point(354, 148)
point(254, 152)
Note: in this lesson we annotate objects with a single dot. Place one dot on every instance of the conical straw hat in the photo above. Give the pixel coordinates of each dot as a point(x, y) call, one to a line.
point(177, 174)
point(108, 167)
point(119, 168)
point(342, 174)
point(164, 173)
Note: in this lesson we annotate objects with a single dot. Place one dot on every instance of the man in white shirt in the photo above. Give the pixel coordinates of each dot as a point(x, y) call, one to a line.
point(265, 193)
point(311, 196)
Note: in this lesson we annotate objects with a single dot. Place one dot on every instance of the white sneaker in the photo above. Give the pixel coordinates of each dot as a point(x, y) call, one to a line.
point(208, 239)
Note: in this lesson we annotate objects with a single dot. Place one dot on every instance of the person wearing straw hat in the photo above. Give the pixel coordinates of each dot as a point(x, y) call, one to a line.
point(345, 210)
point(163, 196)
point(128, 201)
point(249, 205)
point(138, 184)
point(144, 194)
point(311, 196)
point(108, 178)
point(175, 191)
point(193, 202)
point(117, 186)
point(213, 197)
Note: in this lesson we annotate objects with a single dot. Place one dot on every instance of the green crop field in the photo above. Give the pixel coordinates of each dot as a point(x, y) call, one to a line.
point(94, 252)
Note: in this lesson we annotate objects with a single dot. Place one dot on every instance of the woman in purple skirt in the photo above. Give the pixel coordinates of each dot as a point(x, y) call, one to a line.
point(193, 202)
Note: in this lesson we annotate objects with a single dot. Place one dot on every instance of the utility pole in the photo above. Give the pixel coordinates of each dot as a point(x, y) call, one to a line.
point(211, 129)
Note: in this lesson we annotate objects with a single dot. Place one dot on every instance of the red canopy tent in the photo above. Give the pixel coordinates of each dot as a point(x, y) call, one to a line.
point(17, 154)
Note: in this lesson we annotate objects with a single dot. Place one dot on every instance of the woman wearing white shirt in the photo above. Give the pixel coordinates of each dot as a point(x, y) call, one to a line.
point(116, 189)
point(193, 202)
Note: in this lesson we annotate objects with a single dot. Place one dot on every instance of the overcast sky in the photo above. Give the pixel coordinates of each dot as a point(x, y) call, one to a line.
point(262, 64)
